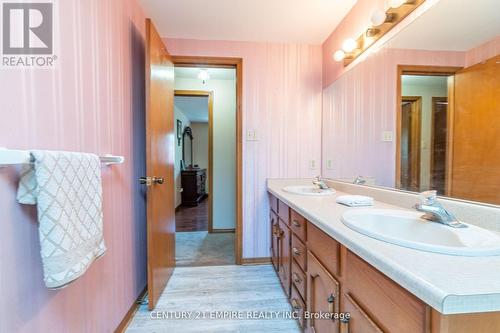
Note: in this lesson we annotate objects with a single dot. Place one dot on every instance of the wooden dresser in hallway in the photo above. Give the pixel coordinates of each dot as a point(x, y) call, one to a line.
point(193, 186)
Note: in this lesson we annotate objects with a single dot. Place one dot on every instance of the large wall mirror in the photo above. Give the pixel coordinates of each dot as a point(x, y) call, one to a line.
point(423, 112)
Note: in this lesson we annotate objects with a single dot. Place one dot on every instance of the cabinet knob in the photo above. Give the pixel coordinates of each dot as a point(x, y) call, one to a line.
point(331, 303)
point(295, 304)
point(296, 278)
point(344, 325)
point(295, 251)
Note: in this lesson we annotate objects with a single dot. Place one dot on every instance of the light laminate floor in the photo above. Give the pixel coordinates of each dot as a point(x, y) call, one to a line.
point(212, 289)
point(199, 248)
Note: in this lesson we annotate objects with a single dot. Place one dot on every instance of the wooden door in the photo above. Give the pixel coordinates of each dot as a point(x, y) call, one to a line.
point(411, 111)
point(275, 231)
point(160, 164)
point(439, 144)
point(475, 159)
point(284, 257)
point(322, 296)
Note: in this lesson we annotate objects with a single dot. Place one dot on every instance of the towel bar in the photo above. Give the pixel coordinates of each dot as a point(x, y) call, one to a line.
point(10, 157)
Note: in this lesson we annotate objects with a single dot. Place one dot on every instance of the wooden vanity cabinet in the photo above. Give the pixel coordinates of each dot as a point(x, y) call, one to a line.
point(275, 234)
point(322, 296)
point(321, 275)
point(284, 260)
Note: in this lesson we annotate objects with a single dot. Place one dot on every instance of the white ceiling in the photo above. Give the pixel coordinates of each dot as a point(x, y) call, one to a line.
point(292, 21)
point(215, 73)
point(193, 107)
point(452, 25)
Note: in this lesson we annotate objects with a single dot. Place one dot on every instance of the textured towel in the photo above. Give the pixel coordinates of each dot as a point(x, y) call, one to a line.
point(66, 187)
point(355, 200)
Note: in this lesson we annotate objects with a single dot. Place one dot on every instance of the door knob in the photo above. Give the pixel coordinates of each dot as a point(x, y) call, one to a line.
point(145, 181)
point(158, 180)
point(148, 181)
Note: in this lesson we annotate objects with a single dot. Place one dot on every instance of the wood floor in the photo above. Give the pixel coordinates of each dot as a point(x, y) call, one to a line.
point(192, 218)
point(210, 290)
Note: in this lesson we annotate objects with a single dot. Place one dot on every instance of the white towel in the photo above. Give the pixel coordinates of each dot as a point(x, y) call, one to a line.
point(67, 189)
point(355, 200)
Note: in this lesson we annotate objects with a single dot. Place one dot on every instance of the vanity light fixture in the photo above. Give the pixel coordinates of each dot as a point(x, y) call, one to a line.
point(203, 76)
point(399, 3)
point(339, 55)
point(349, 45)
point(382, 22)
point(380, 17)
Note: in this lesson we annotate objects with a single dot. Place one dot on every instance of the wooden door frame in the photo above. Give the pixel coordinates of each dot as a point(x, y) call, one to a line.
point(416, 101)
point(210, 95)
point(423, 70)
point(237, 63)
point(435, 100)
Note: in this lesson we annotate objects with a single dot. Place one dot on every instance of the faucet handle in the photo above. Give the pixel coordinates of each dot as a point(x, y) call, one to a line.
point(428, 197)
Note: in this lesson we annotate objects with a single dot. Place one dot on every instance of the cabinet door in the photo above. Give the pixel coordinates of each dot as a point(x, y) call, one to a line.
point(284, 256)
point(359, 321)
point(322, 296)
point(275, 231)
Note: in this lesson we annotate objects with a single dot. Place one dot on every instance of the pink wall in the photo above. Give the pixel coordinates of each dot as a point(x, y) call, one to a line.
point(360, 105)
point(282, 101)
point(93, 102)
point(359, 102)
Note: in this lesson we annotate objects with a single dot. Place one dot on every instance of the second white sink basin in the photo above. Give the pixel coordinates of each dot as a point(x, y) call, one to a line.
point(406, 228)
point(308, 190)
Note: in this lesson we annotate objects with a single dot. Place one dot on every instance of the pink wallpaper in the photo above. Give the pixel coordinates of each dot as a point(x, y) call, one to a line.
point(360, 105)
point(93, 102)
point(483, 52)
point(282, 101)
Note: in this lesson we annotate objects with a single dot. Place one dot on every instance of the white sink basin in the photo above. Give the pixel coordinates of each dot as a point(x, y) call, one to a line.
point(308, 190)
point(406, 228)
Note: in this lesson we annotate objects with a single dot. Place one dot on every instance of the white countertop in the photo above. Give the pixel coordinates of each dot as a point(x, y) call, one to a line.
point(450, 284)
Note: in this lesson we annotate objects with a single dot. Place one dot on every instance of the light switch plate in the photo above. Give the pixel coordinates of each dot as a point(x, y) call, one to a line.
point(312, 164)
point(329, 164)
point(387, 136)
point(251, 135)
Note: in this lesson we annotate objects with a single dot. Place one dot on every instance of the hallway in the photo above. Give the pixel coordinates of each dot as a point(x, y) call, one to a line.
point(212, 290)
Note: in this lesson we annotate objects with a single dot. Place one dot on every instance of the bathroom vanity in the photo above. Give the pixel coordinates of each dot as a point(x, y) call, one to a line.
point(324, 266)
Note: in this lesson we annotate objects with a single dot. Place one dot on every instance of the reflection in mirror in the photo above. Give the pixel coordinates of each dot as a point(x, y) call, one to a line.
point(423, 112)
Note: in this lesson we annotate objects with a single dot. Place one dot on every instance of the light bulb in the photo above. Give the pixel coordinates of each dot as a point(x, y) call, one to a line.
point(203, 75)
point(378, 17)
point(339, 55)
point(349, 45)
point(396, 3)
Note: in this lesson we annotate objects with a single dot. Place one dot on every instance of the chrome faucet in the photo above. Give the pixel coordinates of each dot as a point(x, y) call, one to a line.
point(435, 212)
point(320, 183)
point(359, 180)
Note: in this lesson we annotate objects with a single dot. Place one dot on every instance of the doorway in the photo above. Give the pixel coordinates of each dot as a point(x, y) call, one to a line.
point(205, 106)
point(423, 127)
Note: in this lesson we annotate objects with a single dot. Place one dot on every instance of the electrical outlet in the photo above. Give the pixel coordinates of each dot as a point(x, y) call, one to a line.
point(387, 136)
point(312, 164)
point(329, 164)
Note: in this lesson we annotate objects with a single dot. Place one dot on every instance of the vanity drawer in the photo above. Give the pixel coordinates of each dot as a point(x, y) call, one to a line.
point(299, 280)
point(325, 248)
point(284, 212)
point(299, 252)
point(298, 224)
point(298, 306)
point(273, 202)
point(383, 300)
